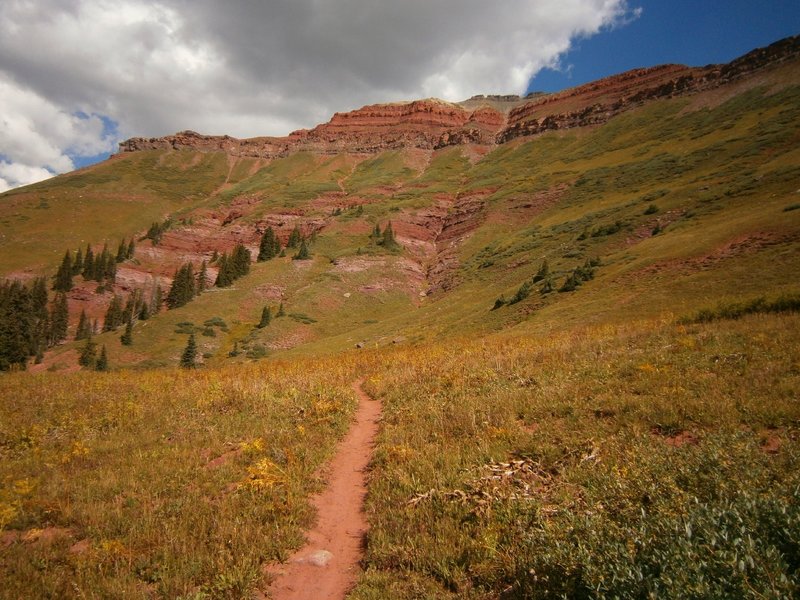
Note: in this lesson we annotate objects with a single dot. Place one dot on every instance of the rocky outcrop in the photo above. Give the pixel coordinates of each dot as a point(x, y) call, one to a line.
point(484, 120)
point(597, 102)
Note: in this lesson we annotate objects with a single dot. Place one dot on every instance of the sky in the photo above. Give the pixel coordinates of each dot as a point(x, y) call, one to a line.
point(79, 76)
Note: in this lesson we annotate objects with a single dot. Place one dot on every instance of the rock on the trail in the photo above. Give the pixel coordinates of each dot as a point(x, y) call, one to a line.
point(320, 558)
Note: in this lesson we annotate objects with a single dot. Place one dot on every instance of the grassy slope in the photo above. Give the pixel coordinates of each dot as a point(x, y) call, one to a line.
point(593, 390)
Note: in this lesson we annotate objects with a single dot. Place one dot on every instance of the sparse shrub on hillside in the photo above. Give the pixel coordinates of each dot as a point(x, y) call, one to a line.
point(611, 229)
point(266, 317)
point(542, 273)
point(791, 207)
point(156, 231)
point(523, 292)
point(651, 210)
point(281, 312)
point(499, 303)
point(736, 310)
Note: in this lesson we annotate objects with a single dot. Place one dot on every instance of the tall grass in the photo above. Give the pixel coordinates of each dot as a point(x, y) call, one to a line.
point(617, 463)
point(163, 483)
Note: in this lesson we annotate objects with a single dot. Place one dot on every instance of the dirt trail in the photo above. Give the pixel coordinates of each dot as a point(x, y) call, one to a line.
point(326, 568)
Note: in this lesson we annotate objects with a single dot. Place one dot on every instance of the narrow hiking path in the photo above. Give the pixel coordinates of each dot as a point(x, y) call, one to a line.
point(326, 568)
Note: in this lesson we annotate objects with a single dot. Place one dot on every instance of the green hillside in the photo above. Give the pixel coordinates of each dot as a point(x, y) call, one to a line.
point(585, 342)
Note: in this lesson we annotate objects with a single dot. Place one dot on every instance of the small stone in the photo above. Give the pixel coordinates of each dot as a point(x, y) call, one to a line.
point(320, 558)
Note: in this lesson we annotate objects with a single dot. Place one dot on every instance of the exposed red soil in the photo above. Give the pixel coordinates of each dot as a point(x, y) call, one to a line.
point(326, 568)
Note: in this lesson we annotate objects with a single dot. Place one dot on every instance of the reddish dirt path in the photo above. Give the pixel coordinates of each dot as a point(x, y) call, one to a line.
point(326, 568)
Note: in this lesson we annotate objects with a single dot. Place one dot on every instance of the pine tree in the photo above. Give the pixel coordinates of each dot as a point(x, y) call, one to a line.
point(129, 252)
point(84, 328)
point(122, 251)
point(113, 317)
point(77, 265)
point(102, 267)
point(240, 261)
point(88, 263)
point(224, 275)
point(266, 317)
point(281, 312)
point(388, 240)
point(294, 237)
point(102, 362)
point(127, 337)
point(270, 246)
point(63, 280)
point(189, 354)
point(157, 299)
point(202, 278)
point(215, 256)
point(128, 311)
point(144, 311)
point(182, 289)
point(16, 326)
point(59, 319)
point(302, 253)
point(376, 233)
point(87, 356)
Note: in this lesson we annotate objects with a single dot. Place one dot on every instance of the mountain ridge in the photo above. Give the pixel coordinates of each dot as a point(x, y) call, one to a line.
point(433, 123)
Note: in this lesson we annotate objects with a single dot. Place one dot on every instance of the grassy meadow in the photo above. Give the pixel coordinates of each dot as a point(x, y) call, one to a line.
point(167, 484)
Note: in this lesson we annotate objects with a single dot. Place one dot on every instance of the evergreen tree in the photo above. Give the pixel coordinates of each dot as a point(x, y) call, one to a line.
point(113, 317)
point(157, 299)
point(122, 251)
point(16, 326)
point(388, 240)
point(281, 312)
point(63, 280)
point(102, 266)
point(266, 317)
point(129, 252)
point(88, 263)
point(270, 246)
point(294, 238)
point(202, 278)
point(302, 253)
point(182, 290)
point(84, 328)
point(144, 312)
point(240, 261)
point(376, 233)
point(77, 265)
point(87, 356)
point(215, 256)
point(102, 362)
point(189, 354)
point(59, 319)
point(39, 298)
point(225, 273)
point(110, 272)
point(127, 337)
point(129, 310)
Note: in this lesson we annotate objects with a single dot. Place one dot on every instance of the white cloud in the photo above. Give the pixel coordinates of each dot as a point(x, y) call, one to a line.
point(257, 68)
